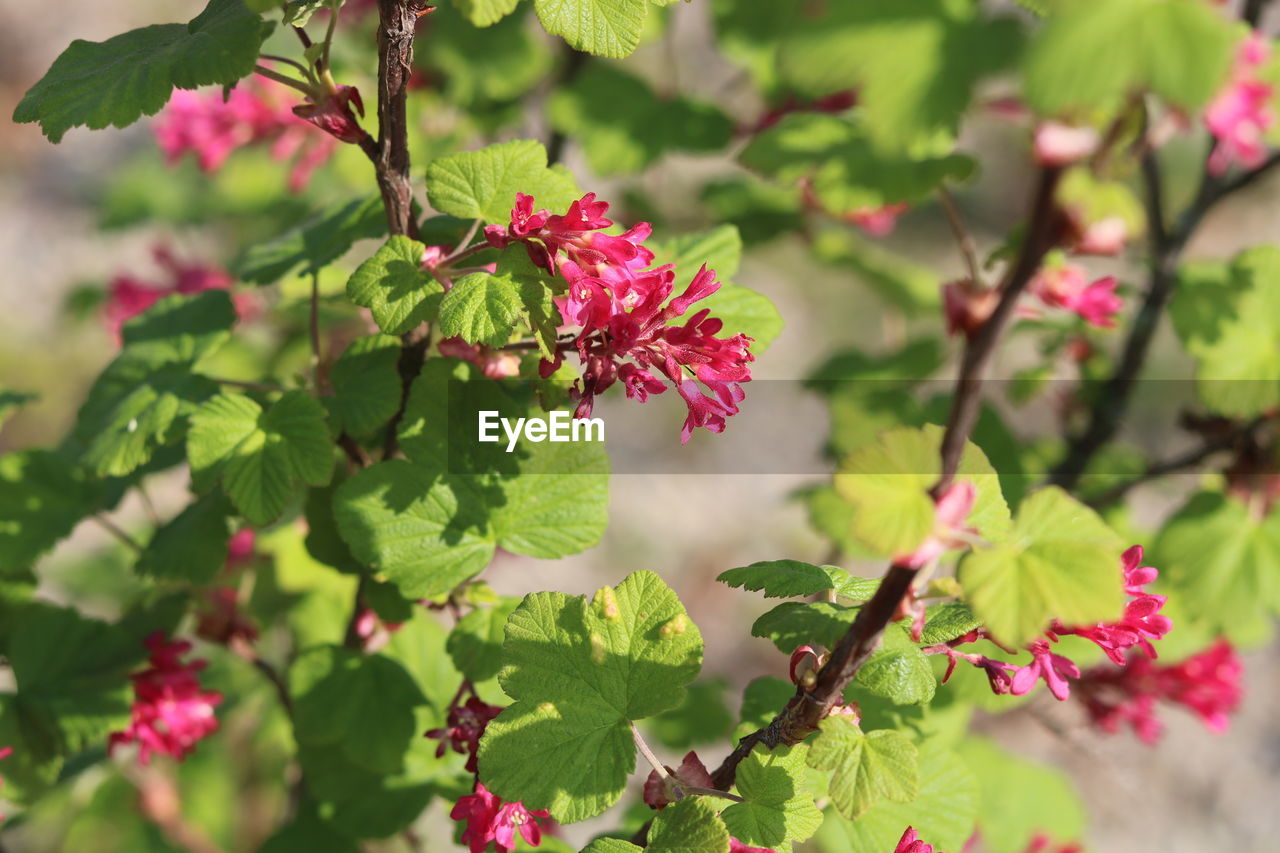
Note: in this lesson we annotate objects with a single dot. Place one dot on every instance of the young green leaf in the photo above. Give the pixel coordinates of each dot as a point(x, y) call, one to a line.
point(611, 845)
point(116, 82)
point(579, 672)
point(484, 13)
point(866, 768)
point(793, 624)
point(689, 826)
point(475, 643)
point(395, 287)
point(888, 484)
point(483, 184)
point(945, 622)
point(1061, 562)
point(604, 27)
point(481, 309)
point(793, 578)
point(897, 670)
point(366, 385)
point(1024, 798)
point(260, 455)
point(778, 811)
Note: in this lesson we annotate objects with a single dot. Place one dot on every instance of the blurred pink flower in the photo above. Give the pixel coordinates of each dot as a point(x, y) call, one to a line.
point(1058, 144)
point(171, 712)
point(1240, 114)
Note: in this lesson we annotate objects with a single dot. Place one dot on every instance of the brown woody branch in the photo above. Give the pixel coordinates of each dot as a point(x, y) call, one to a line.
point(397, 20)
point(808, 707)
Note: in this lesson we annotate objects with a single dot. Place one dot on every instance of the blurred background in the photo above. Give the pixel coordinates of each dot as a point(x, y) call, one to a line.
point(77, 215)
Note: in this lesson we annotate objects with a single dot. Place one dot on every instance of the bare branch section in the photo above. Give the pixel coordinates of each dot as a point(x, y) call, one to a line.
point(397, 20)
point(808, 707)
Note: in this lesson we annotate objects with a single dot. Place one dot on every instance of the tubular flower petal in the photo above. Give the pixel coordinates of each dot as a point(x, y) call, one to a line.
point(911, 843)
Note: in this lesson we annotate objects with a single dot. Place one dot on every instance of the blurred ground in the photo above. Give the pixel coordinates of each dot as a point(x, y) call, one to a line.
point(1196, 793)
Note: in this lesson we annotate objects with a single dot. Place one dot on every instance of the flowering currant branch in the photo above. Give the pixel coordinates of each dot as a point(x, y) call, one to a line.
point(810, 705)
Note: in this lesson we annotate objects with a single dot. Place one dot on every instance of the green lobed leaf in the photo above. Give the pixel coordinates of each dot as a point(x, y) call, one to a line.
point(260, 456)
point(483, 184)
point(314, 243)
point(141, 401)
point(611, 845)
point(485, 62)
point(897, 670)
point(1062, 561)
point(943, 812)
point(481, 308)
point(116, 82)
point(1228, 318)
point(793, 624)
point(837, 162)
point(1216, 553)
point(603, 27)
point(689, 826)
point(866, 768)
point(484, 13)
point(192, 546)
point(888, 484)
point(42, 498)
point(358, 705)
point(793, 578)
point(702, 718)
point(945, 622)
point(394, 286)
point(720, 248)
point(1094, 52)
point(624, 126)
point(914, 62)
point(778, 811)
point(475, 643)
point(579, 672)
point(366, 385)
point(1023, 798)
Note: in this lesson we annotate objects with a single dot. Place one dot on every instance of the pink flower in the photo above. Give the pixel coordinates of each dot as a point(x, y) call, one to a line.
point(171, 713)
point(1240, 114)
point(333, 114)
point(659, 791)
point(489, 819)
point(911, 843)
point(1053, 668)
point(967, 306)
point(5, 752)
point(257, 110)
point(1067, 286)
point(1058, 144)
point(949, 530)
point(877, 221)
point(1041, 843)
point(240, 547)
point(627, 323)
point(463, 727)
point(1142, 621)
point(128, 296)
point(372, 632)
point(1207, 684)
point(1105, 237)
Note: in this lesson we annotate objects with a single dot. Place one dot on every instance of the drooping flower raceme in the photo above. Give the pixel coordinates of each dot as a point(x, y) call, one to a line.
point(464, 725)
point(171, 711)
point(128, 296)
point(258, 110)
point(1240, 114)
point(1207, 684)
point(627, 315)
point(1141, 623)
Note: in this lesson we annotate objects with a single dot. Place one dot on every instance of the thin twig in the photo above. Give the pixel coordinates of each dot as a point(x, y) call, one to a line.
point(354, 451)
point(287, 61)
point(964, 240)
point(1181, 462)
point(282, 78)
point(116, 531)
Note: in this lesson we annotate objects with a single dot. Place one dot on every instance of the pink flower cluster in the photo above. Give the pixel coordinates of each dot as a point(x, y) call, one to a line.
point(259, 110)
point(488, 818)
point(1141, 623)
point(129, 296)
point(171, 712)
point(627, 315)
point(1240, 115)
point(1207, 684)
